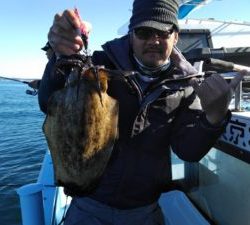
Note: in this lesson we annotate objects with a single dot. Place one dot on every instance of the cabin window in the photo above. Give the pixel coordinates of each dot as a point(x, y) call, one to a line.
point(218, 185)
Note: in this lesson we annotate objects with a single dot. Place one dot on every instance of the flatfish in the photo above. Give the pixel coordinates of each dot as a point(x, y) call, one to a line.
point(81, 127)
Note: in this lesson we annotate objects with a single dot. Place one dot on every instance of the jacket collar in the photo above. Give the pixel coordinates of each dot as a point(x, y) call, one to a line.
point(119, 52)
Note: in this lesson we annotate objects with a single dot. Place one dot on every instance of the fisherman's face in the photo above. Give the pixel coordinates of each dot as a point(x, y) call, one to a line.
point(49, 53)
point(153, 47)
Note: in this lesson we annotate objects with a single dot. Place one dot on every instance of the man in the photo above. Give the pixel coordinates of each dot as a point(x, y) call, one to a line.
point(49, 53)
point(162, 111)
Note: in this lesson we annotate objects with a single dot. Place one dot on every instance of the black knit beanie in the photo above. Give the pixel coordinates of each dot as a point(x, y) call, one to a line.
point(158, 14)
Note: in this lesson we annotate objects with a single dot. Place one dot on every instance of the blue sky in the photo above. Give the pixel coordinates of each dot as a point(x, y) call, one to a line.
point(24, 26)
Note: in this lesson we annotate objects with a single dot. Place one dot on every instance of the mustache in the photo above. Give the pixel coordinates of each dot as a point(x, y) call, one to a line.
point(153, 49)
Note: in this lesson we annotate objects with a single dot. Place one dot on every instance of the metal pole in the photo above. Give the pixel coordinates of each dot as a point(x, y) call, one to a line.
point(31, 200)
point(237, 97)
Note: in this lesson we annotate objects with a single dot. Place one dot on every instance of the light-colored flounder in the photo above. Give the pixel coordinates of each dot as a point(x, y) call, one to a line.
point(81, 128)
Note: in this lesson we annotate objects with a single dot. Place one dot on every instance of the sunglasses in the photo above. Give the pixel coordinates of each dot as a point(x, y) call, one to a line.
point(145, 33)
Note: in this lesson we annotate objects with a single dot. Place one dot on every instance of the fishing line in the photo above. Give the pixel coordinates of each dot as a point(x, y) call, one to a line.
point(11, 185)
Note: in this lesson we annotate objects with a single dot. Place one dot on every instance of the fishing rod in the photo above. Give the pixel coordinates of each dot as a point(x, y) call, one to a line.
point(33, 84)
point(226, 65)
point(17, 80)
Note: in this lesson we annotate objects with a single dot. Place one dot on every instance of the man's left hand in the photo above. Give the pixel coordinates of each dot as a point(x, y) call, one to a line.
point(215, 95)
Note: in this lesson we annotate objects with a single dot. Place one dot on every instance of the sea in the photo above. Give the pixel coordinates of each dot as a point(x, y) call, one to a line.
point(22, 146)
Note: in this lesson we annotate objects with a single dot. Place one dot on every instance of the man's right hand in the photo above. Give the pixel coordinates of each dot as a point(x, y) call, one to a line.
point(64, 36)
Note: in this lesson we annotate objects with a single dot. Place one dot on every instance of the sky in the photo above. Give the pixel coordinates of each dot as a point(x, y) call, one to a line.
point(24, 25)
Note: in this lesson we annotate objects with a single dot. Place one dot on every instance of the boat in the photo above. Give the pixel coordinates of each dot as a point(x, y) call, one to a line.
point(213, 191)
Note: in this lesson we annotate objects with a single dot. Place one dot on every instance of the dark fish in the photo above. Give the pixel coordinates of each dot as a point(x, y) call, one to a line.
point(81, 128)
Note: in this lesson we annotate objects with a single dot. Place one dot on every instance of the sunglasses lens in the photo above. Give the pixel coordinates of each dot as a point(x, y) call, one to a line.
point(145, 33)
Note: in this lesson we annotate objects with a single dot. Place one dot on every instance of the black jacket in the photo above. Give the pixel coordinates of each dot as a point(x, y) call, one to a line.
point(167, 114)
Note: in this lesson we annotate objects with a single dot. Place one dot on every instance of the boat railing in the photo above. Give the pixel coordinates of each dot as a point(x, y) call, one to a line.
point(228, 70)
point(38, 199)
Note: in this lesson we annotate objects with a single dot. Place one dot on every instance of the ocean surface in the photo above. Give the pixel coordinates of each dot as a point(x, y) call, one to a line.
point(22, 146)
